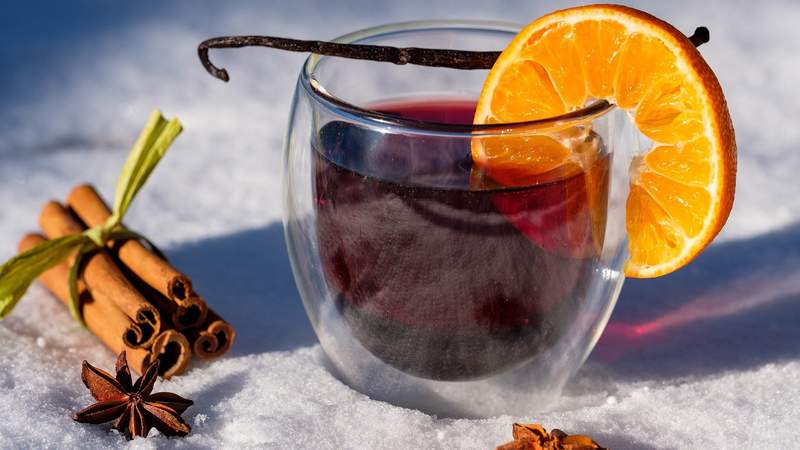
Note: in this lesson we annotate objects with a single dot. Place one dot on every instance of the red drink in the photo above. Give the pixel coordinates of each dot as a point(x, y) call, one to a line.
point(438, 280)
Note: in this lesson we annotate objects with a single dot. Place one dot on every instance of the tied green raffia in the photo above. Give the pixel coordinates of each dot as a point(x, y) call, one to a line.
point(17, 274)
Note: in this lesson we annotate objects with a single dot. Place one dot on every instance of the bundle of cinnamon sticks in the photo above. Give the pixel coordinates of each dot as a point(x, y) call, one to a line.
point(131, 298)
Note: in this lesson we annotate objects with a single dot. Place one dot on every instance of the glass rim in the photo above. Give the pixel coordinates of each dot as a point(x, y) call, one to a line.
point(379, 119)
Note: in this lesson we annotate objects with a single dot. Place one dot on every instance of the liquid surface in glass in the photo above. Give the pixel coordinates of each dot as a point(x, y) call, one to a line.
point(439, 280)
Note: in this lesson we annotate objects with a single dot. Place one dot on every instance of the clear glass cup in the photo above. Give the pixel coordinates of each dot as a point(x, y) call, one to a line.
point(429, 285)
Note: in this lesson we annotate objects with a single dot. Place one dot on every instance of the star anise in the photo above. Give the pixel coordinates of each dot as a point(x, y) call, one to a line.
point(133, 406)
point(532, 436)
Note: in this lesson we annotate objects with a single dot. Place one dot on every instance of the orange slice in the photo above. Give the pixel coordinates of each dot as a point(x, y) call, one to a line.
point(682, 188)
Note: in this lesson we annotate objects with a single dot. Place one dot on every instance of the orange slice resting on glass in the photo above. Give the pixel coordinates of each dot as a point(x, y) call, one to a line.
point(681, 189)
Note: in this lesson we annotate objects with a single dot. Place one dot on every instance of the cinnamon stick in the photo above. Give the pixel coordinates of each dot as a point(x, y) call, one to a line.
point(214, 338)
point(173, 351)
point(180, 317)
point(104, 280)
point(109, 324)
point(103, 319)
point(190, 310)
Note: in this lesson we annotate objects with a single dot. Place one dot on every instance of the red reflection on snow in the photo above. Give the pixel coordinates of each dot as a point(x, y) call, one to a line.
point(739, 296)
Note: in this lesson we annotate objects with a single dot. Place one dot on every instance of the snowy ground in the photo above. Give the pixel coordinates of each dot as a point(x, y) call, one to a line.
point(718, 365)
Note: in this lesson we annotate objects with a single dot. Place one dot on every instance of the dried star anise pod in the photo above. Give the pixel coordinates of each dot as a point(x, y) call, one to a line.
point(532, 436)
point(133, 406)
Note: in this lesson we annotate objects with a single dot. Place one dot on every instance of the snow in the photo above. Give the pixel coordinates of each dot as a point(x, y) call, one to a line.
point(706, 358)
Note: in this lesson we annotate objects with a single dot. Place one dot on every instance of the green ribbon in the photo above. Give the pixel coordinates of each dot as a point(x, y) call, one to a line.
point(17, 274)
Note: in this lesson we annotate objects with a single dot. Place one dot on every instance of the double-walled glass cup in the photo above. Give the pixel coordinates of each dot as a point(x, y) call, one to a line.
point(428, 283)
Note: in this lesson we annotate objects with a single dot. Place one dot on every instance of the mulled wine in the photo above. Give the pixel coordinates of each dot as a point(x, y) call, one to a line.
point(436, 275)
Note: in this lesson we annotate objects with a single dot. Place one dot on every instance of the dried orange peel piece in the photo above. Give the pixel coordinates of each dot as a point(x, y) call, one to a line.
point(682, 188)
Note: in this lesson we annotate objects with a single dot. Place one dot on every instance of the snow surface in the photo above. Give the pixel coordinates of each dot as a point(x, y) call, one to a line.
point(706, 358)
